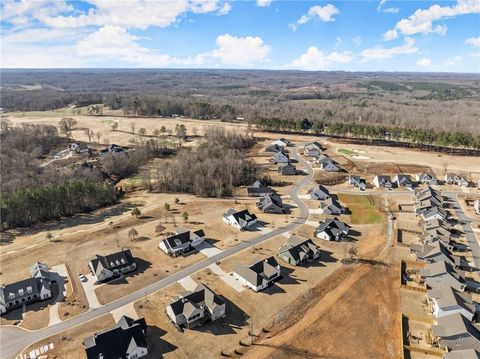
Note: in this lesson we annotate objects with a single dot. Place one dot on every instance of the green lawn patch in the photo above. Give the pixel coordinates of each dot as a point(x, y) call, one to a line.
point(363, 207)
point(344, 151)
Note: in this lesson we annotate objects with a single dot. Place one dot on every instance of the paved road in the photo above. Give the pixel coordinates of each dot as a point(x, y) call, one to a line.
point(467, 229)
point(13, 340)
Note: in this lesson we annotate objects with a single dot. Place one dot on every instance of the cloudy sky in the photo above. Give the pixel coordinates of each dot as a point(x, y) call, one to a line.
point(353, 35)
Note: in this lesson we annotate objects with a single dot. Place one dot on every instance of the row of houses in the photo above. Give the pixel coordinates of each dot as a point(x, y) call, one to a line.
point(453, 309)
point(404, 180)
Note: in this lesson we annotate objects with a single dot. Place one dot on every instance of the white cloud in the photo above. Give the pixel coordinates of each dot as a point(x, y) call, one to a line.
point(390, 35)
point(115, 42)
point(264, 3)
point(421, 21)
point(240, 51)
point(292, 27)
point(474, 41)
point(357, 40)
point(391, 10)
point(139, 14)
point(379, 52)
point(315, 59)
point(453, 60)
point(424, 62)
point(324, 13)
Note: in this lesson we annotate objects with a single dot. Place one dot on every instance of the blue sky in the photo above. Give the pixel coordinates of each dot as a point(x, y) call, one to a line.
point(351, 35)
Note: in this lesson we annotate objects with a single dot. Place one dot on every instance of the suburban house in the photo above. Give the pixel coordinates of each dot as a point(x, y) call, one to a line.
point(454, 331)
point(426, 178)
point(318, 192)
point(331, 206)
point(113, 148)
point(452, 178)
point(357, 181)
point(112, 265)
point(287, 169)
point(258, 275)
point(282, 142)
point(194, 308)
point(27, 291)
point(476, 206)
point(271, 203)
point(435, 223)
point(127, 339)
point(446, 301)
point(273, 148)
point(332, 229)
point(312, 149)
point(258, 189)
point(182, 242)
point(427, 204)
point(435, 252)
point(240, 219)
point(441, 274)
point(78, 148)
point(403, 181)
point(327, 164)
point(281, 157)
point(435, 213)
point(297, 252)
point(382, 181)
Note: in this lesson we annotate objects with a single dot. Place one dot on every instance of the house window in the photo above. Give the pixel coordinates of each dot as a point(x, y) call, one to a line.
point(29, 289)
point(20, 291)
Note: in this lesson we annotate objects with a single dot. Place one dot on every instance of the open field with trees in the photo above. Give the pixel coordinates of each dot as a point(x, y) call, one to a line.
point(439, 102)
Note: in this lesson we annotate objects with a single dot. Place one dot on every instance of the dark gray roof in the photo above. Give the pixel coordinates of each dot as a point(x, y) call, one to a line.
point(256, 272)
point(115, 343)
point(298, 250)
point(333, 227)
point(112, 261)
point(319, 189)
point(191, 300)
point(242, 217)
point(462, 354)
point(270, 200)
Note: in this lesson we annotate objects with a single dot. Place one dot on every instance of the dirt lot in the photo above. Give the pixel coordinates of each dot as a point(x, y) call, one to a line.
point(372, 332)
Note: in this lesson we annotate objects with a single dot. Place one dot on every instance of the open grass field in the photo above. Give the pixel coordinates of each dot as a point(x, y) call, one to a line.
point(344, 151)
point(364, 208)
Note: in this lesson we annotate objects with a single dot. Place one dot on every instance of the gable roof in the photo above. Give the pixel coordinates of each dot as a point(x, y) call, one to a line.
point(111, 261)
point(298, 250)
point(319, 189)
point(448, 297)
point(270, 200)
point(258, 271)
point(454, 324)
point(442, 267)
point(382, 179)
point(333, 227)
point(331, 202)
point(259, 188)
point(191, 301)
point(123, 338)
point(241, 217)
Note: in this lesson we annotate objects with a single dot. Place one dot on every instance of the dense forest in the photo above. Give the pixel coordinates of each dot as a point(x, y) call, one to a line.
point(211, 170)
point(439, 102)
point(34, 192)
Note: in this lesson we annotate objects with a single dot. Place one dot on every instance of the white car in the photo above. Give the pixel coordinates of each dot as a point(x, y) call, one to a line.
point(82, 278)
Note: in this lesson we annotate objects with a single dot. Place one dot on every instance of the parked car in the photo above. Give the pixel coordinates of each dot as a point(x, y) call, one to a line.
point(82, 278)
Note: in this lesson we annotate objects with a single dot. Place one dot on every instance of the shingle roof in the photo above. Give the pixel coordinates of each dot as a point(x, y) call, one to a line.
point(448, 297)
point(114, 260)
point(454, 324)
point(123, 338)
point(462, 354)
point(298, 250)
point(256, 272)
point(188, 303)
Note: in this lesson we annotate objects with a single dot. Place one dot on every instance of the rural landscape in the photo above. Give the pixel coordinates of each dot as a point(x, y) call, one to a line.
point(259, 179)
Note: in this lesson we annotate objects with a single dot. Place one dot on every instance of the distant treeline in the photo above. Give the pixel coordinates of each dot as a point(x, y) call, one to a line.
point(28, 206)
point(353, 130)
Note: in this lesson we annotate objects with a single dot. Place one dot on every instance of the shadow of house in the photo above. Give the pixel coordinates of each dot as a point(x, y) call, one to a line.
point(233, 321)
point(142, 266)
point(326, 257)
point(156, 345)
point(287, 277)
point(273, 288)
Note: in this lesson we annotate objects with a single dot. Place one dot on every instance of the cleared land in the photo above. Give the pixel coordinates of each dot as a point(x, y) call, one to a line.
point(364, 209)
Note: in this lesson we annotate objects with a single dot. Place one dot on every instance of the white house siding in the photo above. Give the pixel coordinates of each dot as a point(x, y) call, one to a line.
point(139, 352)
point(323, 235)
point(247, 283)
point(452, 310)
point(163, 247)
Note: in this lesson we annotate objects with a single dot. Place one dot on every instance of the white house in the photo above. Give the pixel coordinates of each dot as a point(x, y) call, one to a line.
point(327, 164)
point(182, 242)
point(106, 267)
point(258, 275)
point(240, 219)
point(426, 178)
point(282, 142)
point(281, 157)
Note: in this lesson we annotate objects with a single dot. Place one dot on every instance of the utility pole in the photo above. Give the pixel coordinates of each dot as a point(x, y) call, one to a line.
point(250, 322)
